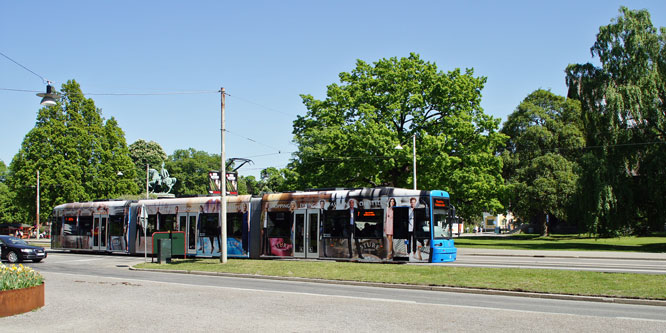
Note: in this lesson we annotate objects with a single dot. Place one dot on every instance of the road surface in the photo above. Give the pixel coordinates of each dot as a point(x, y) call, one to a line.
point(99, 293)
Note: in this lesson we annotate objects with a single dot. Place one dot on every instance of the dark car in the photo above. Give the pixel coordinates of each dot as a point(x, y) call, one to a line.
point(17, 250)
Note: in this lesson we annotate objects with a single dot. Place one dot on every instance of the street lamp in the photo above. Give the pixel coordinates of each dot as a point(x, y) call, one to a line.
point(49, 98)
point(399, 147)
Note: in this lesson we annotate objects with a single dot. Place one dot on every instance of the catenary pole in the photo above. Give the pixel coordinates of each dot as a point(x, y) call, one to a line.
point(223, 189)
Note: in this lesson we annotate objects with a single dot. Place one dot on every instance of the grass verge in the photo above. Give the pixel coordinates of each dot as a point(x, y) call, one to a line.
point(514, 279)
point(655, 244)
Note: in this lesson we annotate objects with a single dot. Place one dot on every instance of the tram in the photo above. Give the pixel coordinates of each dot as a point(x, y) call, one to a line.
point(366, 224)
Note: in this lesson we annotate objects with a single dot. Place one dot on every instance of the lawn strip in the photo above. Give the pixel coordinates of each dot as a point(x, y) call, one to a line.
point(585, 283)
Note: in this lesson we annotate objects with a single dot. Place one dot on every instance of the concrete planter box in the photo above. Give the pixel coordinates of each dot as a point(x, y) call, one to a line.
point(17, 301)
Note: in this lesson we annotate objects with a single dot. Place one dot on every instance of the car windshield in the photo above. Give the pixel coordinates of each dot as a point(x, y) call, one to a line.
point(16, 241)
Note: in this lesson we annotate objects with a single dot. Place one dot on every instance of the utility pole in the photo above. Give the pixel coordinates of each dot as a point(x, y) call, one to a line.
point(37, 212)
point(223, 190)
point(414, 150)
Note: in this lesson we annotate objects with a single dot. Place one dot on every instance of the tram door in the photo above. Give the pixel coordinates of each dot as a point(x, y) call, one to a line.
point(99, 232)
point(187, 222)
point(306, 235)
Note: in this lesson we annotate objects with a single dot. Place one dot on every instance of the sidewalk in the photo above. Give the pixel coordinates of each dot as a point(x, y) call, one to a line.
point(561, 254)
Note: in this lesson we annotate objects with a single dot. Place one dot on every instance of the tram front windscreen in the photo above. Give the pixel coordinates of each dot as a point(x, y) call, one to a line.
point(440, 221)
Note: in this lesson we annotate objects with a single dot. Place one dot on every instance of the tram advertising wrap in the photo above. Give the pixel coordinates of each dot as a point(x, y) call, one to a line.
point(367, 224)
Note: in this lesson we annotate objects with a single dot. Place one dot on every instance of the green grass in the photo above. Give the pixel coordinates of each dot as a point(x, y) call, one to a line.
point(532, 280)
point(655, 244)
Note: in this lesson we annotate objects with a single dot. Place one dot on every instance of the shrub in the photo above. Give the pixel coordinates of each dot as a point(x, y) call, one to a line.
point(18, 277)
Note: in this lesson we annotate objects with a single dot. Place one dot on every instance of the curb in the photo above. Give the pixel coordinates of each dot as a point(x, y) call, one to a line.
point(497, 292)
point(557, 256)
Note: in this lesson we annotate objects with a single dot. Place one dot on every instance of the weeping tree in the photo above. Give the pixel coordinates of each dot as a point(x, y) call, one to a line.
point(623, 113)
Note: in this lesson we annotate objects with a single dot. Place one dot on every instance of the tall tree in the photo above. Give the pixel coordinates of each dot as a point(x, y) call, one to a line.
point(625, 118)
point(349, 138)
point(77, 153)
point(7, 207)
point(145, 153)
point(541, 159)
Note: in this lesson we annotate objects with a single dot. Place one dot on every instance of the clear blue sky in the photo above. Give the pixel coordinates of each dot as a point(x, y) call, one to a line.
point(266, 53)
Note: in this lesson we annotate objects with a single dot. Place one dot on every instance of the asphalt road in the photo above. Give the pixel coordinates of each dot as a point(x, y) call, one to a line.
point(92, 292)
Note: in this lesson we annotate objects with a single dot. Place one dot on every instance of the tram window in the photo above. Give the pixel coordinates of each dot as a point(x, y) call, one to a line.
point(56, 225)
point(282, 222)
point(442, 227)
point(234, 225)
point(69, 226)
point(335, 223)
point(167, 222)
point(369, 223)
point(422, 227)
point(209, 225)
point(85, 225)
point(401, 223)
point(116, 225)
point(151, 226)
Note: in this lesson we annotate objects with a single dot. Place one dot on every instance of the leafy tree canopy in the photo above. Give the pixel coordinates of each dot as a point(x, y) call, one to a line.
point(540, 163)
point(146, 153)
point(190, 167)
point(349, 139)
point(78, 155)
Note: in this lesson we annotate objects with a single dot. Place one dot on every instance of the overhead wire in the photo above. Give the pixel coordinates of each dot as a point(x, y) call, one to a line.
point(260, 105)
point(26, 68)
point(253, 140)
point(192, 92)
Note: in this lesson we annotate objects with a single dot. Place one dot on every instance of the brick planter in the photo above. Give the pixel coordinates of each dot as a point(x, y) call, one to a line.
point(17, 301)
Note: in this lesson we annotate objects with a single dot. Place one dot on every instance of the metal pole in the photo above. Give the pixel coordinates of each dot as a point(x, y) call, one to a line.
point(145, 239)
point(37, 213)
point(147, 180)
point(223, 190)
point(414, 150)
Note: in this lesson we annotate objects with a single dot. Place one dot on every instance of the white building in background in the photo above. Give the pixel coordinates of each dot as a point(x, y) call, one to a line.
point(505, 222)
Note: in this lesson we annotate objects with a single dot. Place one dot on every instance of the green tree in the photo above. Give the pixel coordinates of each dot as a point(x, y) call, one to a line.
point(145, 153)
point(190, 167)
point(625, 120)
point(7, 208)
point(77, 153)
point(349, 139)
point(541, 159)
point(4, 172)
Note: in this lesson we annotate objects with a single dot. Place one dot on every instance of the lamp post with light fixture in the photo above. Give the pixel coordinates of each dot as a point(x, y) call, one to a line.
point(48, 99)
